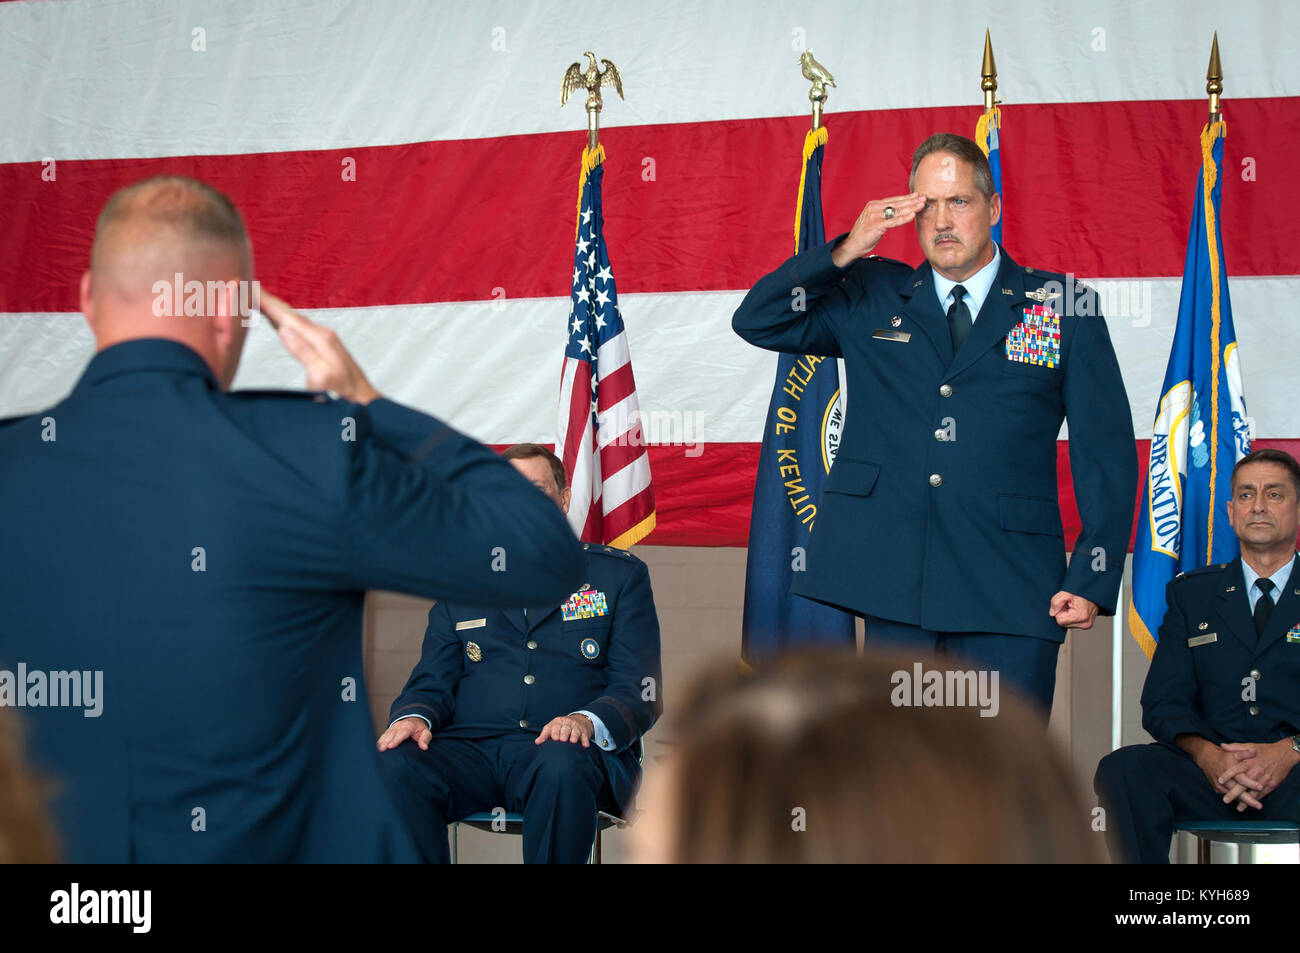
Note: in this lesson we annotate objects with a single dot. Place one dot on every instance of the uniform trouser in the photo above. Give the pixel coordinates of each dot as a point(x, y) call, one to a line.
point(556, 786)
point(1023, 663)
point(1147, 790)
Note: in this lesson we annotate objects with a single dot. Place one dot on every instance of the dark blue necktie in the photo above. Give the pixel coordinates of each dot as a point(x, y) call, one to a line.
point(958, 319)
point(1263, 605)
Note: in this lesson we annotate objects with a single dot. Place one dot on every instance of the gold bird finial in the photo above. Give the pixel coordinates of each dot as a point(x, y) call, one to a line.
point(820, 77)
point(591, 79)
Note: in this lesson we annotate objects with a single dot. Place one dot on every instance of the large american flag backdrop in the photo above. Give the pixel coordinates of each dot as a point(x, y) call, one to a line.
point(407, 174)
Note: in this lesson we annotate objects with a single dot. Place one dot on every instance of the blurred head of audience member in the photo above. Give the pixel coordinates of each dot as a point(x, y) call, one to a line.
point(811, 760)
point(26, 836)
point(171, 259)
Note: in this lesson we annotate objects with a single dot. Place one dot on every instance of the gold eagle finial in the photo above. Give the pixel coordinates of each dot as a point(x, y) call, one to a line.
point(591, 80)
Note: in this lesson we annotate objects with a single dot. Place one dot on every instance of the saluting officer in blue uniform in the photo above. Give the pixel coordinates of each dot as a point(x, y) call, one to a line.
point(198, 561)
point(1222, 696)
point(536, 711)
point(939, 521)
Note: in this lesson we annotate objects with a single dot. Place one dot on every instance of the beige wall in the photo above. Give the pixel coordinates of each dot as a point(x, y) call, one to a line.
point(699, 593)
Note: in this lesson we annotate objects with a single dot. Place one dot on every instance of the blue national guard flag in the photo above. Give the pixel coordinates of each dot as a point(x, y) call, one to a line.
point(1201, 429)
point(987, 134)
point(804, 421)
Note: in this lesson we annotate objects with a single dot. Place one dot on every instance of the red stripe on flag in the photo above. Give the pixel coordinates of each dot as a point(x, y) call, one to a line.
point(705, 500)
point(622, 518)
point(622, 452)
point(579, 412)
point(1098, 188)
point(616, 386)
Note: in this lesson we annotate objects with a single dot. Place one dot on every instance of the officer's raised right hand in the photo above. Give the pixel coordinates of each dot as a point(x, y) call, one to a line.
point(404, 728)
point(318, 349)
point(872, 224)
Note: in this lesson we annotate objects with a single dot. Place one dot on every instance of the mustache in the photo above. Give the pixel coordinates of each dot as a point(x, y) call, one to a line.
point(947, 236)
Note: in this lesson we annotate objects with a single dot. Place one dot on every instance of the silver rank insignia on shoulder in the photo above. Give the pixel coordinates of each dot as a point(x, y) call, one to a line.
point(473, 651)
point(1042, 295)
point(895, 321)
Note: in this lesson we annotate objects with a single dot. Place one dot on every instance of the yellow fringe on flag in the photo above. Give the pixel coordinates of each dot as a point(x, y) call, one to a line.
point(992, 117)
point(1209, 136)
point(634, 535)
point(1140, 632)
point(589, 162)
point(814, 139)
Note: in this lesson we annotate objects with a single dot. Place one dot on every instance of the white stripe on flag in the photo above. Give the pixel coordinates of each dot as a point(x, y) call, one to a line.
point(626, 483)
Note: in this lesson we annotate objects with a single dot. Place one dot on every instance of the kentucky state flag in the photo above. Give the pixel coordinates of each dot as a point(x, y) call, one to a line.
point(1201, 429)
point(804, 421)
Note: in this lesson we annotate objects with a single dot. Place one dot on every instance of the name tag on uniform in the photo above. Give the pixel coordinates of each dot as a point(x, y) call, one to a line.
point(1205, 639)
point(883, 334)
point(471, 624)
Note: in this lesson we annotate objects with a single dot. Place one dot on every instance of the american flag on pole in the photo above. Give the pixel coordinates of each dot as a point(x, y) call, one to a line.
point(598, 432)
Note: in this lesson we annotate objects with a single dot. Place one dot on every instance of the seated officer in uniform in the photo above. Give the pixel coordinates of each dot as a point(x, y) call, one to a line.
point(1222, 697)
point(537, 711)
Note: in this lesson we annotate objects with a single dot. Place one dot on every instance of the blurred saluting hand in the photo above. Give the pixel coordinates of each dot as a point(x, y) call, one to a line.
point(318, 349)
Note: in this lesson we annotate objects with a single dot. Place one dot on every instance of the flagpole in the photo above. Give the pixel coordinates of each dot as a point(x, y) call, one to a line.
point(989, 74)
point(989, 128)
point(1214, 79)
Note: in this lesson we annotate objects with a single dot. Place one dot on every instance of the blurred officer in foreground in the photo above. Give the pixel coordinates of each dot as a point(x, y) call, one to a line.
point(184, 568)
point(1222, 696)
point(818, 758)
point(537, 711)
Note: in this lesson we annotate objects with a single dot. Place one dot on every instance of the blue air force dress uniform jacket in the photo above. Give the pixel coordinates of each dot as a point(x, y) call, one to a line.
point(941, 509)
point(209, 553)
point(1211, 675)
point(485, 672)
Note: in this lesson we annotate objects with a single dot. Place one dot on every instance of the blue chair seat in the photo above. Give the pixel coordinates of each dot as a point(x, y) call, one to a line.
point(1238, 832)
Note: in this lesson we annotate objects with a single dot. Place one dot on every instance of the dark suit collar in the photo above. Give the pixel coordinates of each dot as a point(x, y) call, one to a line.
point(535, 616)
point(997, 315)
point(1286, 612)
point(1234, 605)
point(144, 354)
point(921, 304)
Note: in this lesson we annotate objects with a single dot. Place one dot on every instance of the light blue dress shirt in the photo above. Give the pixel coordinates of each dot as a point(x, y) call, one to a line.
point(1279, 580)
point(977, 286)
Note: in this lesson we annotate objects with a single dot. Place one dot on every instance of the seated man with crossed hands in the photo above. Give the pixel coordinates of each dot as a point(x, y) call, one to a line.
point(464, 735)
